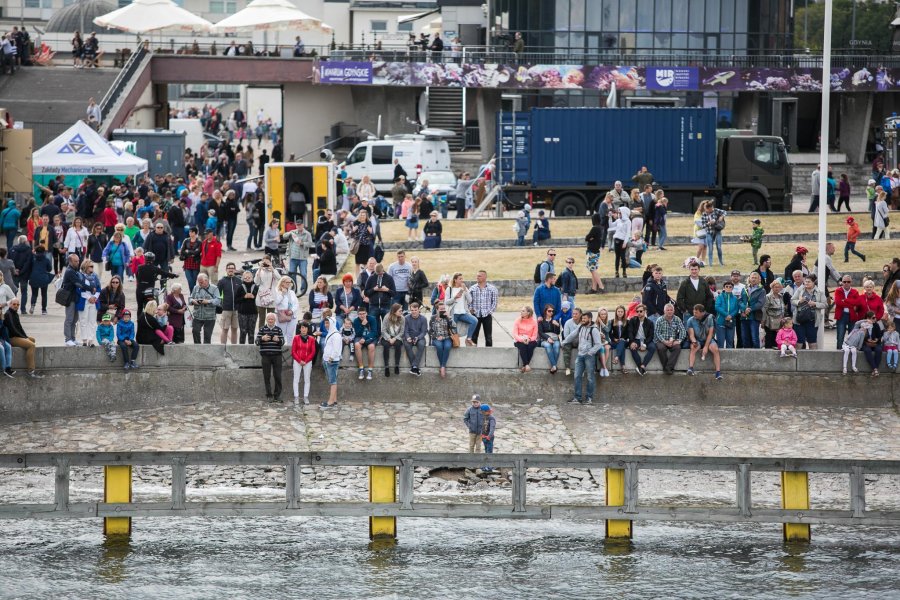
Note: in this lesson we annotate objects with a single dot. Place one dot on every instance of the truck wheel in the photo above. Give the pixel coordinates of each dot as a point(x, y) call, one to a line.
point(751, 202)
point(569, 206)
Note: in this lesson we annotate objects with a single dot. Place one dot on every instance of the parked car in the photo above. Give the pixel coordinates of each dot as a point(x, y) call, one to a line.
point(440, 183)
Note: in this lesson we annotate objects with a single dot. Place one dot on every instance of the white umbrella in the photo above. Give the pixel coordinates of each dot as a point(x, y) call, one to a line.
point(144, 16)
point(264, 15)
point(433, 26)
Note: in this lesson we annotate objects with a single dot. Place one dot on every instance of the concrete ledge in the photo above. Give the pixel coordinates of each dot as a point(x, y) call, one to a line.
point(80, 381)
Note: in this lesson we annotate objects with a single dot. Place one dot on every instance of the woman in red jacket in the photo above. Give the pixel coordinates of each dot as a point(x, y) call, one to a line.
point(303, 350)
point(869, 300)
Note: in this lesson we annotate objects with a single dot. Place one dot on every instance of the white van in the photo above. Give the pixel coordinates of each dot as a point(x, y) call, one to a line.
point(425, 151)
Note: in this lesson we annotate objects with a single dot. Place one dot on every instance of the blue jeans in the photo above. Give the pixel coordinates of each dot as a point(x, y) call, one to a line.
point(714, 239)
point(843, 324)
point(191, 276)
point(806, 333)
point(443, 350)
point(488, 449)
point(725, 336)
point(297, 265)
point(468, 319)
point(5, 355)
point(552, 349)
point(750, 332)
point(663, 235)
point(619, 349)
point(378, 313)
point(520, 240)
point(117, 270)
point(400, 298)
point(584, 365)
point(331, 370)
point(11, 237)
point(636, 355)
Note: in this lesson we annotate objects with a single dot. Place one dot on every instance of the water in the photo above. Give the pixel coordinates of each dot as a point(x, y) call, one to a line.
point(305, 557)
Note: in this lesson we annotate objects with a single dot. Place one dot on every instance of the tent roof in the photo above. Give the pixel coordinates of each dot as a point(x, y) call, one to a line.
point(262, 15)
point(82, 151)
point(143, 16)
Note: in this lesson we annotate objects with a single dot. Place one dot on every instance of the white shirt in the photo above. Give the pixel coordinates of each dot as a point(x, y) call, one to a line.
point(333, 345)
point(76, 240)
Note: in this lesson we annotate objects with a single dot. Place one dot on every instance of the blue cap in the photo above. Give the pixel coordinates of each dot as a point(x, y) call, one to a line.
point(485, 407)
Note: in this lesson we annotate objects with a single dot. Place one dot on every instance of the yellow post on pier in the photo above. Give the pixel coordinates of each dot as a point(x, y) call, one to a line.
point(117, 488)
point(795, 496)
point(615, 496)
point(383, 488)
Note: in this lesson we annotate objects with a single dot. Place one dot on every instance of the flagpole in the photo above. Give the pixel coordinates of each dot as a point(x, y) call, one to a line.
point(823, 163)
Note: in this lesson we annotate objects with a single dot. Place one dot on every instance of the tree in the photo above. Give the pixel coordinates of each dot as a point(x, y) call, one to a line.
point(873, 31)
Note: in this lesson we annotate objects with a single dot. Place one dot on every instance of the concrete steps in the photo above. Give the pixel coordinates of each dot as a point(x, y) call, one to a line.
point(857, 174)
point(50, 99)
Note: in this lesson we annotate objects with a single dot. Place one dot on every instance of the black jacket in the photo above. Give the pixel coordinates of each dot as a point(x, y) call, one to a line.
point(655, 296)
point(21, 256)
point(633, 324)
point(106, 298)
point(688, 296)
point(229, 288)
point(13, 325)
point(382, 300)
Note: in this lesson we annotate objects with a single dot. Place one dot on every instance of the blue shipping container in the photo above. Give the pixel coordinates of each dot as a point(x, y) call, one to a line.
point(513, 146)
point(597, 146)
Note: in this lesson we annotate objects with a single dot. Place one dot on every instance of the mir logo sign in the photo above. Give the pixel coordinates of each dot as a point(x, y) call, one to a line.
point(672, 78)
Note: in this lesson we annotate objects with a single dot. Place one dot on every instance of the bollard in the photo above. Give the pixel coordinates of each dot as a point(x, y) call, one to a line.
point(615, 496)
point(383, 488)
point(795, 496)
point(117, 488)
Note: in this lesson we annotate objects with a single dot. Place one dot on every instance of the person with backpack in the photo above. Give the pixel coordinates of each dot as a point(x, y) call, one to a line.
point(545, 266)
point(589, 341)
point(547, 294)
point(9, 222)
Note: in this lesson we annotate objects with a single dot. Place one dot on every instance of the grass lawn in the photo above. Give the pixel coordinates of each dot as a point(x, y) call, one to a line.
point(519, 263)
point(738, 224)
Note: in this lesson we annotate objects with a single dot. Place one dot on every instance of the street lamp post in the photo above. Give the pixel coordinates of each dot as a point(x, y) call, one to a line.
point(823, 158)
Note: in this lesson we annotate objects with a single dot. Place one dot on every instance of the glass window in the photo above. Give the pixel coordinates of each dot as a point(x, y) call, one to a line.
point(696, 41)
point(663, 15)
point(698, 11)
point(645, 15)
point(627, 12)
point(726, 41)
point(764, 152)
point(741, 15)
point(662, 42)
point(679, 15)
point(576, 17)
point(644, 43)
point(712, 15)
point(679, 41)
point(221, 7)
point(405, 27)
point(561, 22)
point(357, 156)
point(32, 4)
point(610, 14)
point(593, 15)
point(382, 155)
point(727, 22)
point(378, 25)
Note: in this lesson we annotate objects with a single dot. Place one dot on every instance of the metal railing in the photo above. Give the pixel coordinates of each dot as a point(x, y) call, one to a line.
point(406, 506)
point(121, 82)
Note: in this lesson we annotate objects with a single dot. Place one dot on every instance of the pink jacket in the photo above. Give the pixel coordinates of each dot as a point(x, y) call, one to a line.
point(526, 327)
point(786, 336)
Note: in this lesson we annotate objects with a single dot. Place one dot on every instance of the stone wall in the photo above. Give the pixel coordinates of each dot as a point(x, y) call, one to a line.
point(81, 381)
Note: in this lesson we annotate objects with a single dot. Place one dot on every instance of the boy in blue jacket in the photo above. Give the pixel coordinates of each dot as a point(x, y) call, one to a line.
point(126, 341)
point(728, 307)
point(367, 334)
point(106, 337)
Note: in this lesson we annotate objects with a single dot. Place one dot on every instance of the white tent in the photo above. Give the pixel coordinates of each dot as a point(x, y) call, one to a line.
point(270, 15)
point(82, 151)
point(144, 16)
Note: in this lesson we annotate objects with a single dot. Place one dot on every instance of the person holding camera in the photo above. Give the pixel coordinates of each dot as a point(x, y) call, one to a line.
point(441, 329)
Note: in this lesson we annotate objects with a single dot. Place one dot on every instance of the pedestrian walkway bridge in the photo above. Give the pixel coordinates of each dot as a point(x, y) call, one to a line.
point(391, 489)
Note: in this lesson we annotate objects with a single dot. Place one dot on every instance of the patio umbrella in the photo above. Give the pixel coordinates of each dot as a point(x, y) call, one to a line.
point(144, 16)
point(266, 15)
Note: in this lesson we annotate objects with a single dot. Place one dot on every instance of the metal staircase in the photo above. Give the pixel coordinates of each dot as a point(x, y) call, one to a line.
point(445, 111)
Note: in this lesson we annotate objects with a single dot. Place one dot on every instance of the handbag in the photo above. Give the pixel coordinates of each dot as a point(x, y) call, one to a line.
point(805, 314)
point(454, 340)
point(719, 225)
point(63, 296)
point(354, 247)
point(283, 316)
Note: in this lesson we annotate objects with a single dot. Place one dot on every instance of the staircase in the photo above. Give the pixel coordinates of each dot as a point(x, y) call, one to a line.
point(857, 174)
point(50, 99)
point(445, 111)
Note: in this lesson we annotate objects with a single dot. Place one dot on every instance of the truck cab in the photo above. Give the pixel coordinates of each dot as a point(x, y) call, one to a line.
point(754, 173)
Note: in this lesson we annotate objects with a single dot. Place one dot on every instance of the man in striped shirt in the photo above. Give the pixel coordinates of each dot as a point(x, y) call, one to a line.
point(484, 303)
point(270, 340)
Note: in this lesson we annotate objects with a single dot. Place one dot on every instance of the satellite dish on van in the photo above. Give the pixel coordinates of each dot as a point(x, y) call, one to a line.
point(423, 109)
point(437, 133)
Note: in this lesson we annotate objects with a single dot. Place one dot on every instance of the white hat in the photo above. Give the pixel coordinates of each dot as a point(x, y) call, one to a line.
point(871, 182)
point(526, 207)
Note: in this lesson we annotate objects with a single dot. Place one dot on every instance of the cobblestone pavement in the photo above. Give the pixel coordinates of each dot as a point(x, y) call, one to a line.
point(415, 426)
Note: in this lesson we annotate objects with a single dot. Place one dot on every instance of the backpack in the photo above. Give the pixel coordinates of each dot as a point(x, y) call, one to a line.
point(537, 272)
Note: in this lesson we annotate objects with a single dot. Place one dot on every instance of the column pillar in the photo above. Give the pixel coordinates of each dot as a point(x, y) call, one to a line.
point(117, 488)
point(615, 496)
point(795, 496)
point(383, 488)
